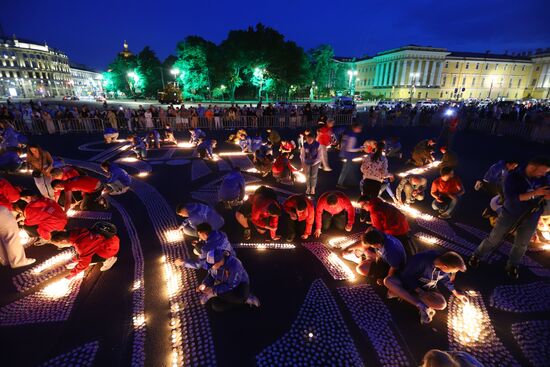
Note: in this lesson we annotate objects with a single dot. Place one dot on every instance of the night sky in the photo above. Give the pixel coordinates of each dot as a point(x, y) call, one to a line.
point(92, 32)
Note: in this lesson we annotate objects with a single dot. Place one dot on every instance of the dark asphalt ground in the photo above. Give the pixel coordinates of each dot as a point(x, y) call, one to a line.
point(280, 279)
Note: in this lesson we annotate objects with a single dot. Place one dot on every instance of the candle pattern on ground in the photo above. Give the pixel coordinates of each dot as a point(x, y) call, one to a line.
point(45, 270)
point(137, 164)
point(345, 241)
point(470, 330)
point(374, 319)
point(190, 336)
point(336, 267)
point(241, 161)
point(138, 289)
point(53, 303)
point(199, 169)
point(82, 356)
point(265, 245)
point(318, 336)
point(83, 214)
point(532, 297)
point(533, 337)
point(432, 240)
point(178, 162)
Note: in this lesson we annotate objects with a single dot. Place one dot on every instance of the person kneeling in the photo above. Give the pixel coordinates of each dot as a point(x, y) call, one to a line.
point(263, 211)
point(119, 180)
point(195, 214)
point(98, 244)
point(300, 214)
point(382, 256)
point(232, 189)
point(227, 284)
point(417, 282)
point(209, 240)
point(446, 190)
point(334, 209)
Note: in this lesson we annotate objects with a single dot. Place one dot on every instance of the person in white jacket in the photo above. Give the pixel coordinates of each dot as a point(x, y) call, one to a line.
point(12, 252)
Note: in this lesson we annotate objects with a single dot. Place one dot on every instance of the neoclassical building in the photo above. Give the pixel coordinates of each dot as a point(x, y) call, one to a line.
point(86, 82)
point(416, 72)
point(30, 69)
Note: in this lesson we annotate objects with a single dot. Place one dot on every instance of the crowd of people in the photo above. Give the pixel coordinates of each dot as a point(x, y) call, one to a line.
point(385, 253)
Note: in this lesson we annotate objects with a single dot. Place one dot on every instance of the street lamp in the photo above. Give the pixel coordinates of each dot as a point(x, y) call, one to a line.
point(351, 85)
point(175, 72)
point(133, 76)
point(414, 76)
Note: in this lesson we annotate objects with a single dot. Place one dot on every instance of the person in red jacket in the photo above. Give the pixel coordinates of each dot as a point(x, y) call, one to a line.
point(282, 170)
point(89, 186)
point(300, 215)
point(8, 194)
point(63, 174)
point(90, 246)
point(389, 220)
point(262, 210)
point(446, 190)
point(324, 137)
point(334, 209)
point(42, 215)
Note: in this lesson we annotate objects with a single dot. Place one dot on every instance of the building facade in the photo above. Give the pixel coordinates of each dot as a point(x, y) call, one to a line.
point(415, 72)
point(85, 81)
point(30, 70)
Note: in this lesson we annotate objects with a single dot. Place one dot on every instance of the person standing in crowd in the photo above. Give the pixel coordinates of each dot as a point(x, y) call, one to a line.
point(8, 194)
point(414, 187)
point(99, 244)
point(325, 137)
point(389, 220)
point(417, 282)
point(232, 189)
point(41, 163)
point(195, 214)
point(334, 209)
point(227, 284)
point(446, 190)
point(12, 252)
point(375, 170)
point(118, 181)
point(310, 157)
point(300, 215)
point(423, 153)
point(382, 255)
point(525, 190)
point(348, 150)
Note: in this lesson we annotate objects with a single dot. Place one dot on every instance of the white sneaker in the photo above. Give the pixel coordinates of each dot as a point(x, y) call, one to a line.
point(426, 315)
point(108, 264)
point(327, 169)
point(253, 301)
point(27, 262)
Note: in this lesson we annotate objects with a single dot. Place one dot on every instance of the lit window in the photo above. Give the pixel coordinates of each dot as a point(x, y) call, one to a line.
point(456, 65)
point(514, 68)
point(473, 81)
point(464, 81)
point(496, 66)
point(454, 81)
point(467, 65)
point(523, 68)
point(510, 83)
point(477, 66)
point(446, 65)
point(519, 83)
point(486, 66)
point(533, 82)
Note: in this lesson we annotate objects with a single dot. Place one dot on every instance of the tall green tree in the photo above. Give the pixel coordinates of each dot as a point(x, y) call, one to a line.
point(196, 59)
point(117, 79)
point(323, 68)
point(149, 68)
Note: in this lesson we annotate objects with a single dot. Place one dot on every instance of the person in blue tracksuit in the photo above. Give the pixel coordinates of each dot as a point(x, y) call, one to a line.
point(119, 180)
point(227, 284)
point(10, 137)
point(195, 214)
point(245, 143)
point(232, 188)
point(10, 161)
point(139, 146)
point(348, 150)
point(110, 134)
point(256, 143)
point(209, 240)
point(205, 149)
point(417, 282)
point(196, 135)
point(493, 180)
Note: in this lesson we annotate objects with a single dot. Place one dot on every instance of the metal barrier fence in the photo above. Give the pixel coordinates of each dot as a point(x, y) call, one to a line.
point(94, 125)
point(537, 132)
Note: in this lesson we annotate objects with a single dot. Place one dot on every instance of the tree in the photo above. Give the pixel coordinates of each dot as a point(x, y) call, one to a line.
point(323, 67)
point(117, 79)
point(149, 70)
point(196, 58)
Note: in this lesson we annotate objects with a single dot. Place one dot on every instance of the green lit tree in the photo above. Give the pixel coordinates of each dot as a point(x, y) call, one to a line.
point(149, 72)
point(323, 68)
point(195, 63)
point(117, 76)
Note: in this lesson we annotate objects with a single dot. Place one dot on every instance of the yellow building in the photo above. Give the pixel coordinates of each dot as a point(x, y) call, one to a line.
point(416, 72)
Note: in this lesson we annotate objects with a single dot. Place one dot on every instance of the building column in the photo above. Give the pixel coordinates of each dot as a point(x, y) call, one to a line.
point(392, 76)
point(432, 74)
point(411, 70)
point(439, 71)
point(425, 73)
point(397, 71)
point(376, 75)
point(386, 74)
point(404, 72)
point(418, 72)
point(542, 77)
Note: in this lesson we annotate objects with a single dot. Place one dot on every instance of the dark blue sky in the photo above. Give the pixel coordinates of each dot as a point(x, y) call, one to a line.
point(92, 32)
